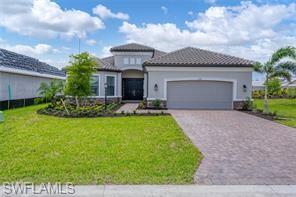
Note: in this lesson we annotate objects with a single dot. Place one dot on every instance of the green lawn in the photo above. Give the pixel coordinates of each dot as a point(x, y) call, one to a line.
point(285, 108)
point(125, 150)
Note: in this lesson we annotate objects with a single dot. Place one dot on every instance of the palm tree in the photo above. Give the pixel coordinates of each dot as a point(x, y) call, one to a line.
point(52, 90)
point(282, 64)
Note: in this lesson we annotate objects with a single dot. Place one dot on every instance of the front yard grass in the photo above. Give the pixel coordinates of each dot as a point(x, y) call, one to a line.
point(284, 108)
point(122, 150)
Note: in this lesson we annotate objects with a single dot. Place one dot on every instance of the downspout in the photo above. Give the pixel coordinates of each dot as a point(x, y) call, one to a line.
point(147, 78)
point(147, 85)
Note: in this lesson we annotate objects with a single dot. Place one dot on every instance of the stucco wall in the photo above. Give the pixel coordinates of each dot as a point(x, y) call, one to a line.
point(102, 76)
point(160, 77)
point(132, 74)
point(119, 59)
point(22, 86)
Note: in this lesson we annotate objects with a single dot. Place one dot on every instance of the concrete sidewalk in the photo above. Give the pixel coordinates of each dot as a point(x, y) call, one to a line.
point(179, 191)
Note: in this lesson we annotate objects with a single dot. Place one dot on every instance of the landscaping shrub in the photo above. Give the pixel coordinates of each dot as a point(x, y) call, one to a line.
point(85, 111)
point(291, 92)
point(258, 94)
point(248, 104)
point(156, 103)
point(39, 101)
point(281, 93)
point(142, 105)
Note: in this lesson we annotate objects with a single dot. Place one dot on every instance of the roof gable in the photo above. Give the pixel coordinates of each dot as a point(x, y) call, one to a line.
point(132, 47)
point(190, 56)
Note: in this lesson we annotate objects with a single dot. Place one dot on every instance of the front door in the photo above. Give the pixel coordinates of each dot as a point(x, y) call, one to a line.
point(132, 88)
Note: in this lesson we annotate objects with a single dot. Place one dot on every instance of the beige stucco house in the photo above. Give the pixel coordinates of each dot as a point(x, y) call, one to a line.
point(188, 78)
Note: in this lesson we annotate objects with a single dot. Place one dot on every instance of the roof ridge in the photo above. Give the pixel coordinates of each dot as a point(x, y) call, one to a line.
point(219, 53)
point(122, 46)
point(197, 56)
point(156, 58)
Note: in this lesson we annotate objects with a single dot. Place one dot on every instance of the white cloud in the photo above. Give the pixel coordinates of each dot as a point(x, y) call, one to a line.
point(104, 13)
point(91, 42)
point(190, 13)
point(45, 18)
point(35, 51)
point(164, 9)
point(59, 63)
point(39, 51)
point(106, 51)
point(247, 30)
point(210, 1)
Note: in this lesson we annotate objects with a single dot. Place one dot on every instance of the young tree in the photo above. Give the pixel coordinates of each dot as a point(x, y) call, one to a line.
point(79, 73)
point(274, 86)
point(52, 90)
point(282, 64)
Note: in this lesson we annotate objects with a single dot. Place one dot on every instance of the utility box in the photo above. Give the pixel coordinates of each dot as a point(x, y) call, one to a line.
point(1, 116)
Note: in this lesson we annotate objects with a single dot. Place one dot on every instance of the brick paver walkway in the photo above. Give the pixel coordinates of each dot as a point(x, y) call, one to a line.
point(128, 108)
point(131, 107)
point(239, 148)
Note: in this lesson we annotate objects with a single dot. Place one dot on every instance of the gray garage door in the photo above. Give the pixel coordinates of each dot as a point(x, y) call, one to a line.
point(199, 95)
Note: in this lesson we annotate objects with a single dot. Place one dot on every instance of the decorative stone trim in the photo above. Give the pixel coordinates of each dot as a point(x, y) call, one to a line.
point(238, 105)
point(149, 104)
point(99, 100)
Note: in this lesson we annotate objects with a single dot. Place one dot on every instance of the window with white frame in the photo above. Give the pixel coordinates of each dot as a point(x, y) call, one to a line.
point(132, 60)
point(110, 80)
point(94, 84)
point(125, 60)
point(138, 60)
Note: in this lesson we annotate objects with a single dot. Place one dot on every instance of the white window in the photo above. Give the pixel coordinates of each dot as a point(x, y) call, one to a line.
point(132, 60)
point(125, 60)
point(110, 80)
point(94, 85)
point(138, 61)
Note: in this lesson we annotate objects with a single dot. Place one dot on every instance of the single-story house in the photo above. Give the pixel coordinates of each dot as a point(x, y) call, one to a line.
point(20, 78)
point(258, 85)
point(188, 78)
point(291, 84)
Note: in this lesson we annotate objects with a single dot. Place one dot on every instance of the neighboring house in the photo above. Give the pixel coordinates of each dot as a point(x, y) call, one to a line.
point(188, 78)
point(291, 84)
point(20, 78)
point(258, 85)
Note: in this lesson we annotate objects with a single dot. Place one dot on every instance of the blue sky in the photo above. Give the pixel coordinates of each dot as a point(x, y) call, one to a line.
point(49, 30)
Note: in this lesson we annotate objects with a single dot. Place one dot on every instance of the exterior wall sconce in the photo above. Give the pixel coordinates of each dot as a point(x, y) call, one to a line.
point(244, 88)
point(155, 87)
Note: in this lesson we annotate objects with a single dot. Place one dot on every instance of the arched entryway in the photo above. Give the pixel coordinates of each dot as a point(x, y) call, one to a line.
point(132, 85)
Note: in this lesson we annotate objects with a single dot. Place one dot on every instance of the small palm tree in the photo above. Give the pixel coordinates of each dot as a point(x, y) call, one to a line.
point(52, 90)
point(281, 65)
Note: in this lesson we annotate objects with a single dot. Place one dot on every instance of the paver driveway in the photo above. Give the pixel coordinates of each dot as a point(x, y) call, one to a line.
point(239, 148)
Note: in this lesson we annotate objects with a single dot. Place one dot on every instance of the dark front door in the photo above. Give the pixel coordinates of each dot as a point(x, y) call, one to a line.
point(132, 88)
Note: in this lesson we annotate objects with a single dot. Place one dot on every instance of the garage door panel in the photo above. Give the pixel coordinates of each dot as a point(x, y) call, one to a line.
point(199, 95)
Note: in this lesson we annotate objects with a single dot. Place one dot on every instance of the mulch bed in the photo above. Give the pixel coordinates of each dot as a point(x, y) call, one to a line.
point(261, 115)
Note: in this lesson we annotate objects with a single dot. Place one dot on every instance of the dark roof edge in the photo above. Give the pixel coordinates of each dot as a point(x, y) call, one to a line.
point(132, 50)
point(199, 65)
point(109, 70)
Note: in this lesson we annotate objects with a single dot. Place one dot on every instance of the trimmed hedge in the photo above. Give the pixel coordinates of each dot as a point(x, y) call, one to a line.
point(283, 93)
point(84, 111)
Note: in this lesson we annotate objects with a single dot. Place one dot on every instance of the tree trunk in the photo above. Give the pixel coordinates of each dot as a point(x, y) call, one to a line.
point(77, 102)
point(266, 108)
point(65, 106)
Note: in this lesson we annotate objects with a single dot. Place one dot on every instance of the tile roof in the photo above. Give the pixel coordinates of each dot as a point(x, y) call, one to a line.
point(132, 47)
point(17, 61)
point(190, 56)
point(107, 63)
point(158, 53)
